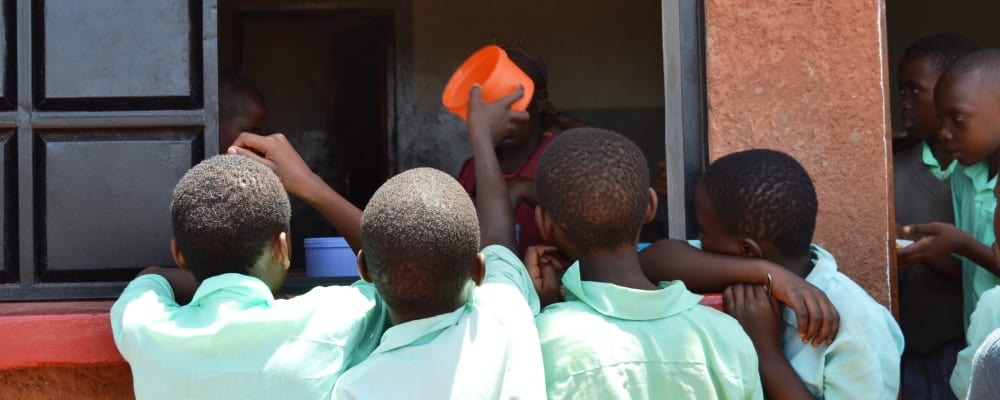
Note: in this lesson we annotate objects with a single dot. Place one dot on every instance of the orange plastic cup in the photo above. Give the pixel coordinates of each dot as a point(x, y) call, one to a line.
point(495, 73)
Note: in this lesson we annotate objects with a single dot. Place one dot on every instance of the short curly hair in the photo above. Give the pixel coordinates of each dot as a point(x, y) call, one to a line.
point(420, 237)
point(986, 62)
point(224, 212)
point(941, 49)
point(765, 195)
point(595, 185)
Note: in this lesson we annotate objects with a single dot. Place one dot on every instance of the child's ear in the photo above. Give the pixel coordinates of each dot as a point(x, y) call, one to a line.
point(544, 223)
point(363, 267)
point(178, 257)
point(479, 269)
point(282, 250)
point(750, 248)
point(651, 207)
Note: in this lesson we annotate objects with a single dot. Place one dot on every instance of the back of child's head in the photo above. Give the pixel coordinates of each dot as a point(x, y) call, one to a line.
point(225, 211)
point(595, 184)
point(941, 49)
point(420, 237)
point(764, 195)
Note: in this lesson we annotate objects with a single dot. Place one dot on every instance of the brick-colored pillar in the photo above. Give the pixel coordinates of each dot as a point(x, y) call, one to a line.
point(809, 78)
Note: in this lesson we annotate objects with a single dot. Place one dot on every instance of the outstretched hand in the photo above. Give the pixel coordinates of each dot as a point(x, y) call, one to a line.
point(756, 311)
point(818, 320)
point(495, 119)
point(278, 154)
point(542, 263)
point(933, 240)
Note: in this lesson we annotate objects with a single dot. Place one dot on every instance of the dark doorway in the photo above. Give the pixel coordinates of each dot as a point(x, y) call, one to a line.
point(325, 77)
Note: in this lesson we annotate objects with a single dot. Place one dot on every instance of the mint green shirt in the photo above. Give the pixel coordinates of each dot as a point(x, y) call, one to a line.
point(972, 194)
point(984, 321)
point(863, 361)
point(932, 163)
point(235, 341)
point(486, 349)
point(610, 342)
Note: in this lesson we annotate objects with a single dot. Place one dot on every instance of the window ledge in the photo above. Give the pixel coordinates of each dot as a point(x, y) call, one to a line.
point(56, 333)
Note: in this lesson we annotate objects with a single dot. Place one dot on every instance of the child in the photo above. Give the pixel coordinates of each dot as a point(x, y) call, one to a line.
point(986, 370)
point(463, 322)
point(969, 107)
point(519, 150)
point(930, 300)
point(242, 108)
point(234, 340)
point(618, 335)
point(762, 204)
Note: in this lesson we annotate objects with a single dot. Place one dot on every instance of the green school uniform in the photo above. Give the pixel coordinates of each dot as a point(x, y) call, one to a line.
point(984, 321)
point(610, 342)
point(972, 194)
point(235, 341)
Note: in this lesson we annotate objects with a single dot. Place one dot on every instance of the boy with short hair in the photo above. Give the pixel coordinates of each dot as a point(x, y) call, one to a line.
point(618, 335)
point(234, 339)
point(463, 320)
point(761, 204)
point(967, 98)
point(930, 297)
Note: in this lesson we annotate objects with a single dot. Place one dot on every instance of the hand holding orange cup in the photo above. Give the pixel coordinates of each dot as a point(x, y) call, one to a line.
point(495, 73)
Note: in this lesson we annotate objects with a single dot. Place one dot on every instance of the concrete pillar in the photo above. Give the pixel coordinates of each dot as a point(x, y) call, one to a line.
point(809, 78)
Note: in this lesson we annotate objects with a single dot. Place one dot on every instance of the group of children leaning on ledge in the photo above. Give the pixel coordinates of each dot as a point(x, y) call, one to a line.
point(445, 308)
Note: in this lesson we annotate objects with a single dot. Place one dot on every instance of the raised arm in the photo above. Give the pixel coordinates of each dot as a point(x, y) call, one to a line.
point(702, 271)
point(277, 153)
point(489, 122)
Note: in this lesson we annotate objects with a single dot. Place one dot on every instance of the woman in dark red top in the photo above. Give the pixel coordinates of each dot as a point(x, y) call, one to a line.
point(518, 152)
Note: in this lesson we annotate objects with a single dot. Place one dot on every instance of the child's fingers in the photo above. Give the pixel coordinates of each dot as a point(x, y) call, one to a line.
point(727, 300)
point(235, 150)
point(513, 97)
point(831, 325)
point(476, 94)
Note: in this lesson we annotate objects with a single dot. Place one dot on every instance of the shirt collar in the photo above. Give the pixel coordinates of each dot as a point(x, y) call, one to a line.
point(932, 163)
point(979, 173)
point(233, 285)
point(424, 330)
point(627, 303)
point(824, 267)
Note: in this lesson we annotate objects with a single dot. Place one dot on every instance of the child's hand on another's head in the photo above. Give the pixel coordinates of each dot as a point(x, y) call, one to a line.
point(818, 320)
point(757, 312)
point(934, 240)
point(542, 263)
point(494, 119)
point(278, 154)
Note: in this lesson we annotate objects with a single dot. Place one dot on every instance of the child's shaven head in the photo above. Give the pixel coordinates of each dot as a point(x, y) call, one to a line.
point(225, 211)
point(595, 184)
point(984, 62)
point(765, 195)
point(420, 237)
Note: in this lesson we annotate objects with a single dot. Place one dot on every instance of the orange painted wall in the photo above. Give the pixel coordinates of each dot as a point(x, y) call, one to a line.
point(808, 78)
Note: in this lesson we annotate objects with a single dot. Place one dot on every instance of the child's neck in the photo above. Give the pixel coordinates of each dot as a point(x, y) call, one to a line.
point(512, 159)
point(618, 266)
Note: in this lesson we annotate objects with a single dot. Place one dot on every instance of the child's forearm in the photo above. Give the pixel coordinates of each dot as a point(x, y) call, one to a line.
point(701, 271)
point(777, 375)
point(342, 214)
point(493, 204)
point(979, 254)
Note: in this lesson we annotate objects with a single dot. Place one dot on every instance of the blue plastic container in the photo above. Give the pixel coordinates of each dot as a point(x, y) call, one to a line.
point(643, 245)
point(330, 257)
